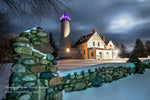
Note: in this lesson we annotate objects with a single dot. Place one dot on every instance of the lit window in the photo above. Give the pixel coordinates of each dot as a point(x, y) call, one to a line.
point(67, 50)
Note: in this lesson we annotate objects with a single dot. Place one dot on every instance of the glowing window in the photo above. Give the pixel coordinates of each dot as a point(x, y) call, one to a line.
point(67, 50)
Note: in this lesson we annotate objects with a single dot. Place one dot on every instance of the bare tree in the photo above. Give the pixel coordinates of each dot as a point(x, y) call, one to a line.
point(32, 8)
point(3, 22)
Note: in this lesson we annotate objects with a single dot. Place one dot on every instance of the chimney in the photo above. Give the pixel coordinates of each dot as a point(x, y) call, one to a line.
point(103, 38)
point(94, 30)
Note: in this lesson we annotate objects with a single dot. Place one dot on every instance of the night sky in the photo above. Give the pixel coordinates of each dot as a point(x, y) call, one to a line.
point(121, 21)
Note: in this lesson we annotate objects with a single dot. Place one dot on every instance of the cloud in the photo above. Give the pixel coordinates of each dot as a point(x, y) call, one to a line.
point(99, 14)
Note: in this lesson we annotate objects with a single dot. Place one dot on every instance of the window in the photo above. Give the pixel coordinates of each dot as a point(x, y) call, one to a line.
point(84, 52)
point(79, 51)
point(92, 54)
point(93, 43)
point(98, 44)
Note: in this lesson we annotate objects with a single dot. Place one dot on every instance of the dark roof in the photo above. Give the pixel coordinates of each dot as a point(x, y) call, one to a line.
point(84, 38)
point(98, 48)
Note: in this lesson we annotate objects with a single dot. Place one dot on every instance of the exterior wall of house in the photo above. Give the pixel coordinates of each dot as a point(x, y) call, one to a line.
point(92, 54)
point(74, 53)
point(99, 54)
point(107, 54)
point(82, 51)
point(98, 41)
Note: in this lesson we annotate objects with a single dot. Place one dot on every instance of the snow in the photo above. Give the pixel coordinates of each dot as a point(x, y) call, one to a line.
point(134, 87)
point(92, 68)
point(44, 55)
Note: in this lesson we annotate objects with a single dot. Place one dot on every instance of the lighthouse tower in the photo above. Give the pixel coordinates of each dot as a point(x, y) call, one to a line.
point(65, 45)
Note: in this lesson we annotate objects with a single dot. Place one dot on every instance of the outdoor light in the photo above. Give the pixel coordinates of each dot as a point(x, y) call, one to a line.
point(65, 16)
point(68, 50)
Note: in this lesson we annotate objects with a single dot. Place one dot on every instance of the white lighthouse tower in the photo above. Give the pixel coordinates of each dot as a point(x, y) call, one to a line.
point(65, 45)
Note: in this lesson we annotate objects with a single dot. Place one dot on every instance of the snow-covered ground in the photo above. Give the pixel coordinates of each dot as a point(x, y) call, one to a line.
point(134, 87)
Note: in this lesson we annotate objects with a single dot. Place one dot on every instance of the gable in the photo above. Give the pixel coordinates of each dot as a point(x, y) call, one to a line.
point(110, 45)
point(97, 39)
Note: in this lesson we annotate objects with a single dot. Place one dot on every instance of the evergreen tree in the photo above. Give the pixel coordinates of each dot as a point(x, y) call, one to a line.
point(148, 48)
point(139, 49)
point(122, 50)
point(117, 46)
point(53, 45)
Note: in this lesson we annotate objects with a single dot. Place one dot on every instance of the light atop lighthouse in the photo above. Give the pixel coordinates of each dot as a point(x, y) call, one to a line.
point(65, 16)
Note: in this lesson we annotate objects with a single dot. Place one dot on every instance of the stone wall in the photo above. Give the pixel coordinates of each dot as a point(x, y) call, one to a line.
point(33, 70)
point(35, 77)
point(83, 80)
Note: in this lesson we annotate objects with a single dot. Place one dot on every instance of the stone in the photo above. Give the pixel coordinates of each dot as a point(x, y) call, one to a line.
point(89, 84)
point(73, 81)
point(53, 69)
point(108, 78)
point(33, 31)
point(24, 97)
point(23, 39)
point(54, 62)
point(80, 86)
point(46, 48)
point(16, 84)
point(29, 61)
point(25, 57)
point(23, 50)
point(30, 77)
point(115, 74)
point(120, 74)
point(96, 81)
point(58, 96)
point(19, 44)
point(36, 42)
point(37, 68)
point(14, 78)
point(44, 40)
point(50, 90)
point(79, 76)
point(55, 81)
point(103, 76)
point(18, 68)
point(50, 57)
point(68, 89)
point(67, 81)
point(41, 34)
point(36, 54)
point(46, 83)
point(46, 75)
point(29, 84)
point(24, 34)
point(44, 61)
point(39, 29)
